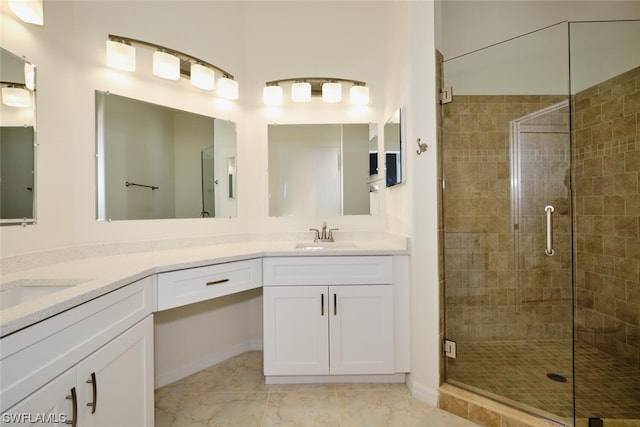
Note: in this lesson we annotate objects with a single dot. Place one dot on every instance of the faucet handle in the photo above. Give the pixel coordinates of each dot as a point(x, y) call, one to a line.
point(317, 236)
point(331, 230)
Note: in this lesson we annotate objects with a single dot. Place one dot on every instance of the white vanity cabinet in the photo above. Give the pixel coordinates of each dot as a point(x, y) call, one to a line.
point(89, 366)
point(334, 315)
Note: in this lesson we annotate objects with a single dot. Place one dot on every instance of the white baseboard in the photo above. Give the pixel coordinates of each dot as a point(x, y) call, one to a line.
point(256, 345)
point(335, 379)
point(164, 378)
point(422, 392)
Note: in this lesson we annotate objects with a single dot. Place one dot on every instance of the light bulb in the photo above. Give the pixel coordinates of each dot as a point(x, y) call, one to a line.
point(301, 92)
point(16, 97)
point(359, 95)
point(272, 95)
point(121, 56)
point(166, 65)
point(331, 92)
point(30, 11)
point(30, 76)
point(227, 88)
point(202, 77)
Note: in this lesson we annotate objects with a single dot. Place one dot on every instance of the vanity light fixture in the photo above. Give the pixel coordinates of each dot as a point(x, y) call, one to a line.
point(171, 64)
point(303, 88)
point(30, 11)
point(15, 95)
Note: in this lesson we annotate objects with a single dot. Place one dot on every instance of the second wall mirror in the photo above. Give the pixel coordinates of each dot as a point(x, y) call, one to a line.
point(322, 169)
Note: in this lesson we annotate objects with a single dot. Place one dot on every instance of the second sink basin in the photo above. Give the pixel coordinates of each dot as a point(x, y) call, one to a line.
point(315, 246)
point(27, 290)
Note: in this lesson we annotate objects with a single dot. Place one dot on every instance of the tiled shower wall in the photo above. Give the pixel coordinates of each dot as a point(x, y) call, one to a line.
point(485, 298)
point(607, 204)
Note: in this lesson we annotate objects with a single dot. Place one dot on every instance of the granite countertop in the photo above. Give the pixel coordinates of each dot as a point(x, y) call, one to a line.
point(59, 286)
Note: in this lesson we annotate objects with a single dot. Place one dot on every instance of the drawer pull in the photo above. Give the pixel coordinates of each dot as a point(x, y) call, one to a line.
point(335, 305)
point(74, 402)
point(322, 305)
point(217, 282)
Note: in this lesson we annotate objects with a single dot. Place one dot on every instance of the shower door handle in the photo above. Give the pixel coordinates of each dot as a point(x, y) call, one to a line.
point(549, 250)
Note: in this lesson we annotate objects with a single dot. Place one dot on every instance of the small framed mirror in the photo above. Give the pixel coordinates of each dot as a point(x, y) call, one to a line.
point(17, 140)
point(157, 162)
point(393, 149)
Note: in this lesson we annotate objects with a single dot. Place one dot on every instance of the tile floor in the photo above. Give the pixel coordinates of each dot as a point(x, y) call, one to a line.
point(233, 393)
point(605, 387)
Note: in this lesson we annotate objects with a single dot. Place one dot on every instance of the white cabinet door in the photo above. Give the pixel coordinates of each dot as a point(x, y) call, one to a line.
point(116, 382)
point(51, 405)
point(361, 330)
point(296, 334)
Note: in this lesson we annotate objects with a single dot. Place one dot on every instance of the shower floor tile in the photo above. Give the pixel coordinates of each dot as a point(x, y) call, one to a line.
point(517, 371)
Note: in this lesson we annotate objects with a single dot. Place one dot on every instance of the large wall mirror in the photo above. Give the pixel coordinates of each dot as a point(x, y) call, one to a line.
point(157, 162)
point(393, 149)
point(17, 140)
point(322, 169)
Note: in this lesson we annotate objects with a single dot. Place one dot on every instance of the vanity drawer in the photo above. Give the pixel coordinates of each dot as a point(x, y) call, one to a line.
point(177, 288)
point(328, 270)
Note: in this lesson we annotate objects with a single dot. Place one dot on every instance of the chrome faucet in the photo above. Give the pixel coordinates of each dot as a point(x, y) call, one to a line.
point(323, 236)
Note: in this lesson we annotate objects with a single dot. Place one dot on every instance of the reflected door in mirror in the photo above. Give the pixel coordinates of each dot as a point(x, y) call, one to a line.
point(16, 172)
point(319, 169)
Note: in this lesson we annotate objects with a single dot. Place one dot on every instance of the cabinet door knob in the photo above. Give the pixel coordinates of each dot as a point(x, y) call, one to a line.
point(322, 304)
point(335, 304)
point(93, 405)
point(74, 404)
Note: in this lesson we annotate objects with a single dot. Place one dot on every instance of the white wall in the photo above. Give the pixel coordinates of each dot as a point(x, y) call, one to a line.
point(537, 63)
point(256, 41)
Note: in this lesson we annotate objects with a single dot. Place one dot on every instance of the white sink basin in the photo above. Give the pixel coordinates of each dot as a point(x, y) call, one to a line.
point(318, 246)
point(27, 290)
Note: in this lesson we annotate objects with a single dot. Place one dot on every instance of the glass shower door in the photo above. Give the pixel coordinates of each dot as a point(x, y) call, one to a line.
point(508, 277)
point(605, 87)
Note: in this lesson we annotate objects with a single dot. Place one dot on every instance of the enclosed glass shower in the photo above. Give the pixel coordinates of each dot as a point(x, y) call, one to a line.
point(540, 210)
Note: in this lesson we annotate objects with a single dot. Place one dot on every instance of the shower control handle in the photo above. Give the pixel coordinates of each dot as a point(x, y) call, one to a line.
point(549, 250)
